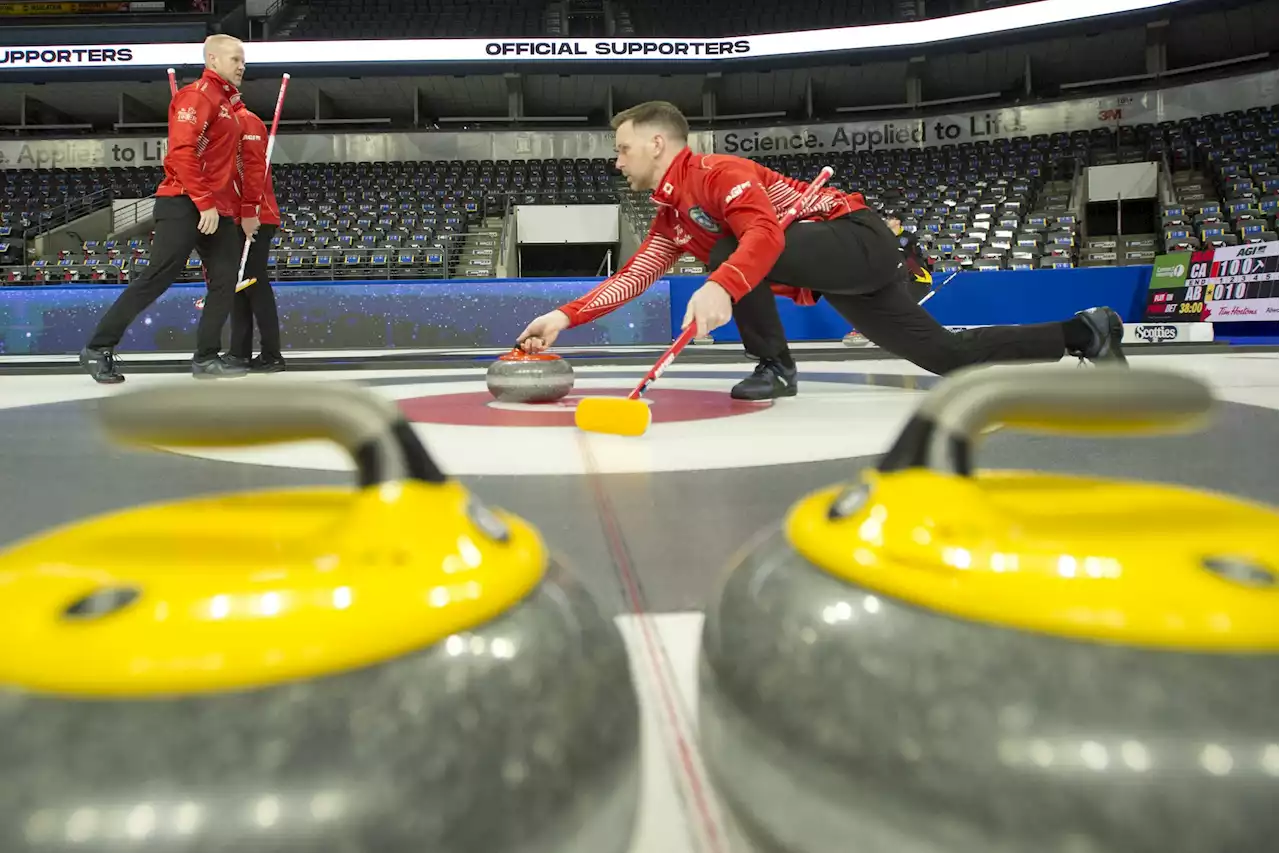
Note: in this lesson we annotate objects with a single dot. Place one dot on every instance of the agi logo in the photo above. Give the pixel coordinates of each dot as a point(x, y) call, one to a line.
point(736, 191)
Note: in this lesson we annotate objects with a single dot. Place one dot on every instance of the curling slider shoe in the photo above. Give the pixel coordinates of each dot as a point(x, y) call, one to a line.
point(371, 681)
point(945, 658)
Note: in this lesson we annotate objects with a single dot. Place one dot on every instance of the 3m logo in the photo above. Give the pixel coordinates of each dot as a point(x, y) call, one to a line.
point(187, 114)
point(736, 191)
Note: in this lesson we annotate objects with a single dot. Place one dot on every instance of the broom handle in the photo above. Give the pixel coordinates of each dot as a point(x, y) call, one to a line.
point(271, 144)
point(788, 216)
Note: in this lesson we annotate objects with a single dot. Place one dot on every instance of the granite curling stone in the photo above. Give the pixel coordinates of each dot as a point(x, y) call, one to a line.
point(936, 660)
point(395, 668)
point(520, 377)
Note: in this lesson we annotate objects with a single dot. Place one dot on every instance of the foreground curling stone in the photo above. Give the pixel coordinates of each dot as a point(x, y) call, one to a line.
point(391, 669)
point(934, 660)
point(520, 377)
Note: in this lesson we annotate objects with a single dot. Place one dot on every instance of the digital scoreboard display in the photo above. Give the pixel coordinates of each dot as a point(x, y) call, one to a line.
point(1230, 284)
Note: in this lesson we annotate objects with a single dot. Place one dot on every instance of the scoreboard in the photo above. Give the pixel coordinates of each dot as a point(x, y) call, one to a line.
point(1226, 285)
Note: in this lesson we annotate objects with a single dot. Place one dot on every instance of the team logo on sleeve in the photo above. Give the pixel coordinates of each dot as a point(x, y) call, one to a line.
point(705, 222)
point(187, 114)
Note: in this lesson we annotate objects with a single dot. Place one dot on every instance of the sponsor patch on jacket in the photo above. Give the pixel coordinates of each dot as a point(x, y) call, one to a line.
point(736, 191)
point(187, 114)
point(253, 137)
point(705, 222)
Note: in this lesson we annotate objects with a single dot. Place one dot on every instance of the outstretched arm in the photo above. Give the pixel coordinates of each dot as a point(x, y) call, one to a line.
point(647, 265)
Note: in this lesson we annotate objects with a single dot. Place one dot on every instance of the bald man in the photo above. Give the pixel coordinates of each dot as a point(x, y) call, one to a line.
point(196, 208)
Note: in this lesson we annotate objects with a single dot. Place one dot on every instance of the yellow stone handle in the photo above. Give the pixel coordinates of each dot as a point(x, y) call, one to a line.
point(1097, 401)
point(371, 428)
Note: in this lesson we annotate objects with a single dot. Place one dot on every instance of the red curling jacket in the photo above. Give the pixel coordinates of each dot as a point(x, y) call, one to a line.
point(204, 139)
point(702, 198)
point(257, 193)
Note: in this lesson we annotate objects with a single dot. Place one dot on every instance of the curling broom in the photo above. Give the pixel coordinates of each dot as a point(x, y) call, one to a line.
point(630, 415)
point(241, 281)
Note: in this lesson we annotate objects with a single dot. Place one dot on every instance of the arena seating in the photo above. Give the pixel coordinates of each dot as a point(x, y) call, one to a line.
point(340, 220)
point(999, 204)
point(374, 19)
point(1234, 198)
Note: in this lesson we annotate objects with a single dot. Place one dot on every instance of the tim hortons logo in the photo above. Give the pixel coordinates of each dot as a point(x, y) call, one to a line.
point(187, 114)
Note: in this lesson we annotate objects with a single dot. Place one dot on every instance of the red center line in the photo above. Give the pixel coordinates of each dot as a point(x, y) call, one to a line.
point(626, 573)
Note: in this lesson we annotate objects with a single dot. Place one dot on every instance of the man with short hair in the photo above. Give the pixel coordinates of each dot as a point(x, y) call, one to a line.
point(724, 210)
point(196, 208)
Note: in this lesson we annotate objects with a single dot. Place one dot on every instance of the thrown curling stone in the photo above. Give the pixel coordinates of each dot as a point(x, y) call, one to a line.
point(520, 377)
point(939, 660)
point(393, 668)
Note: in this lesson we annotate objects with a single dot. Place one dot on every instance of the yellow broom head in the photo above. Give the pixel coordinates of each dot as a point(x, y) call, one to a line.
point(242, 285)
point(612, 415)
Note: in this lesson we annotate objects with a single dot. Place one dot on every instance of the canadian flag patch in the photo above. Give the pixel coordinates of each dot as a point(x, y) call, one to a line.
point(187, 114)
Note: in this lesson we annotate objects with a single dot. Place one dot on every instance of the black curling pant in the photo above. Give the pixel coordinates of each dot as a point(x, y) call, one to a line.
point(256, 303)
point(855, 263)
point(176, 235)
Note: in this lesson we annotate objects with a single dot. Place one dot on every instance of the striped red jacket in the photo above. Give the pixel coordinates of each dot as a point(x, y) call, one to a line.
point(701, 199)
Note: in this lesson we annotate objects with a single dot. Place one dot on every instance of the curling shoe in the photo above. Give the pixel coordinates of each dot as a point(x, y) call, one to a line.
point(217, 368)
point(267, 364)
point(769, 381)
point(1106, 330)
point(101, 365)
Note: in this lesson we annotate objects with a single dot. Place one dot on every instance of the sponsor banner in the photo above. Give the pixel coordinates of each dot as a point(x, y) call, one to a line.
point(1168, 333)
point(1151, 333)
point(39, 9)
point(1170, 271)
point(1238, 93)
point(299, 53)
point(1243, 310)
point(328, 148)
point(1153, 107)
